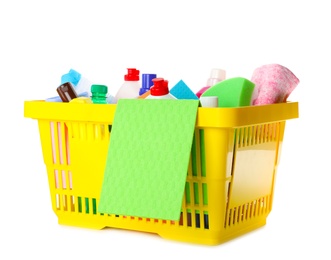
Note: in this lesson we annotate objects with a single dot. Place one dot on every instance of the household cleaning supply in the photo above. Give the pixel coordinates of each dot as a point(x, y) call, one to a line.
point(274, 83)
point(216, 75)
point(131, 85)
point(182, 91)
point(82, 85)
point(160, 90)
point(66, 92)
point(146, 82)
point(99, 94)
point(233, 92)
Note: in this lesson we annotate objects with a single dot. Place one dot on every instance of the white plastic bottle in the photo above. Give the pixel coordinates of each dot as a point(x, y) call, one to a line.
point(160, 90)
point(216, 75)
point(131, 86)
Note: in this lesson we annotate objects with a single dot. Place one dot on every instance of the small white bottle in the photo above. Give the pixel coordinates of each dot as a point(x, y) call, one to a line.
point(160, 90)
point(209, 101)
point(131, 86)
point(216, 75)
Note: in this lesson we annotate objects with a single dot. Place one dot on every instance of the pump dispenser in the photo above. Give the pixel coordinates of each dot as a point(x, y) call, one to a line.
point(131, 86)
point(160, 90)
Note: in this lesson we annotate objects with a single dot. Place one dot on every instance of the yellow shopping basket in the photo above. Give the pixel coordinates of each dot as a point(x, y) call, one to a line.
point(230, 178)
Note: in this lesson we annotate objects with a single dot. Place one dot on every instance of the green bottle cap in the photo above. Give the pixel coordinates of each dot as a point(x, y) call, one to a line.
point(102, 89)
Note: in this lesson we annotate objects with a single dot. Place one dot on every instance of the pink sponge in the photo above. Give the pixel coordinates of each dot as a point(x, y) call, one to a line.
point(273, 84)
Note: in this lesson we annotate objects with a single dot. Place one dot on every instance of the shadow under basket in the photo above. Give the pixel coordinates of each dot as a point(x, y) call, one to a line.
point(230, 177)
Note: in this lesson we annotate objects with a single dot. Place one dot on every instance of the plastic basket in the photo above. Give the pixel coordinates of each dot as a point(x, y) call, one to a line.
point(230, 178)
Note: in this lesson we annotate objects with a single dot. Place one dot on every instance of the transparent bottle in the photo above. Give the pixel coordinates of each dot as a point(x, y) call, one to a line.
point(82, 85)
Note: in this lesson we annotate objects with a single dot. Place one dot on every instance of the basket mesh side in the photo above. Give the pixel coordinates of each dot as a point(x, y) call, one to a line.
point(259, 137)
point(195, 203)
point(194, 213)
point(66, 199)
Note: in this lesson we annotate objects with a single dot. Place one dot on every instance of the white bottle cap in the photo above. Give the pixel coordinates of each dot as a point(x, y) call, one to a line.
point(209, 101)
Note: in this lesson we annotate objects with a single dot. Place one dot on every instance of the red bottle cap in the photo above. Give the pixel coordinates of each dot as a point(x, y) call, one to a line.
point(160, 87)
point(133, 75)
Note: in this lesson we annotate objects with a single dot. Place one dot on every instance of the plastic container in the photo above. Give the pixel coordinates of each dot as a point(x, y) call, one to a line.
point(209, 101)
point(160, 90)
point(131, 86)
point(230, 178)
point(82, 85)
point(66, 92)
point(147, 83)
point(216, 75)
point(99, 94)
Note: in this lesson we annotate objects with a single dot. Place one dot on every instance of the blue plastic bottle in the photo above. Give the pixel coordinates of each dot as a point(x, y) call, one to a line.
point(146, 82)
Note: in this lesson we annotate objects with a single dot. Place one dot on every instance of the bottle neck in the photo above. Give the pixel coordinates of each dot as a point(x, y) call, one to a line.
point(99, 98)
point(212, 81)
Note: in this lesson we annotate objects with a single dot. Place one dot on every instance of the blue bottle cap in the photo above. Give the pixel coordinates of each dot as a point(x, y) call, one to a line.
point(72, 77)
point(146, 82)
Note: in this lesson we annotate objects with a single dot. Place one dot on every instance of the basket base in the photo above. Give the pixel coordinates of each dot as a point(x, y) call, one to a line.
point(210, 238)
point(175, 233)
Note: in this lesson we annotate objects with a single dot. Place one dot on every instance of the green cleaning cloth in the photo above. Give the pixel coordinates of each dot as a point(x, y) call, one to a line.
point(148, 158)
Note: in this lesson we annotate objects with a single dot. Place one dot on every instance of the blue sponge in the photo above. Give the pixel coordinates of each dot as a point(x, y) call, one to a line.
point(182, 91)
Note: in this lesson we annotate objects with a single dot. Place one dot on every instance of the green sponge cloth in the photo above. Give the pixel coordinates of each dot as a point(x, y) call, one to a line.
point(233, 92)
point(148, 158)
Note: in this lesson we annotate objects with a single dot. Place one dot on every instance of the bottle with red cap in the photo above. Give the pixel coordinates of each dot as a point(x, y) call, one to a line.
point(131, 86)
point(160, 90)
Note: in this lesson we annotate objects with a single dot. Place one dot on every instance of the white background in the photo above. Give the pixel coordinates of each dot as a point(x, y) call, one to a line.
point(41, 40)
